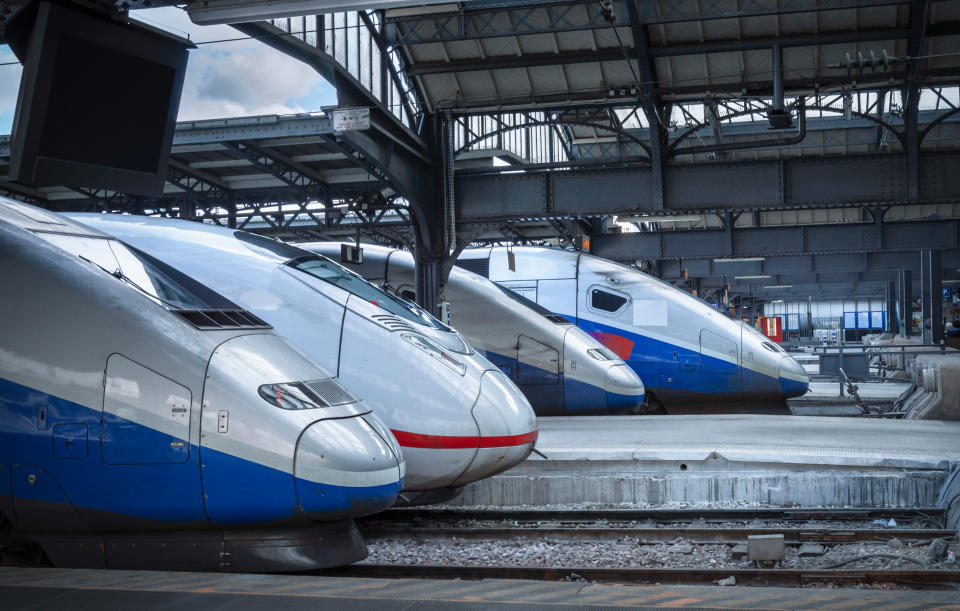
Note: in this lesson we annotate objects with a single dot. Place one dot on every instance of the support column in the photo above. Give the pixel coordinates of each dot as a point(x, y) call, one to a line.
point(931, 296)
point(905, 295)
point(891, 322)
point(431, 221)
point(428, 283)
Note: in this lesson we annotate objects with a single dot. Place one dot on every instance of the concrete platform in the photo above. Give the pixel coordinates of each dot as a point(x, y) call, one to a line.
point(872, 392)
point(88, 589)
point(729, 460)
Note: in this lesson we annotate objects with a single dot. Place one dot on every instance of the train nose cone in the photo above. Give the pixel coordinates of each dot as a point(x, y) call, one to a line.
point(508, 428)
point(623, 388)
point(793, 378)
point(346, 468)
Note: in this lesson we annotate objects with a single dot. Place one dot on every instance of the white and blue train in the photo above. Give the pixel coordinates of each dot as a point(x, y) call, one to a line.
point(561, 369)
point(690, 356)
point(456, 416)
point(146, 421)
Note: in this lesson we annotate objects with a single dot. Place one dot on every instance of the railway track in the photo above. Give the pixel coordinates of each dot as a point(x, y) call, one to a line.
point(646, 536)
point(442, 534)
point(640, 525)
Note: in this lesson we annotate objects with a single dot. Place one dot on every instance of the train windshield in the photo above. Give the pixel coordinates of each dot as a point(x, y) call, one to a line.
point(155, 279)
point(339, 276)
point(529, 303)
point(764, 340)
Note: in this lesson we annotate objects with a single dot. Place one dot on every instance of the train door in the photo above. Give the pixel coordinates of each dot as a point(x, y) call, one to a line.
point(719, 365)
point(539, 376)
point(146, 416)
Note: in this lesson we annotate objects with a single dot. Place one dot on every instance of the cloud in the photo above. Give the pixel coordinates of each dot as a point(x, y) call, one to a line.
point(251, 78)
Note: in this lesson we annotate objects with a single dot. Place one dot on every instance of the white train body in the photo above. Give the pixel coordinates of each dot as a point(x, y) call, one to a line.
point(690, 356)
point(456, 416)
point(561, 369)
point(140, 425)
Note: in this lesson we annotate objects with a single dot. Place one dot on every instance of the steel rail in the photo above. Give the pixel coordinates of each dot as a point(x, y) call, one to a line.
point(645, 536)
point(685, 575)
point(932, 514)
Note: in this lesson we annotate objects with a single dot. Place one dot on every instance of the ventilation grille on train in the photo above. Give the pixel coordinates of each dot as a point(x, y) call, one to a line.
point(557, 319)
point(330, 392)
point(222, 319)
point(477, 266)
point(392, 322)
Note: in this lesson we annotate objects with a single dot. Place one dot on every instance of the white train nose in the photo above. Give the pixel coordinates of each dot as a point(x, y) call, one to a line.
point(623, 387)
point(794, 381)
point(347, 468)
point(508, 428)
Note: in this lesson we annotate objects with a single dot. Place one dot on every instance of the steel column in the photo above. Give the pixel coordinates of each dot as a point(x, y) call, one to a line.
point(891, 296)
point(905, 295)
point(931, 297)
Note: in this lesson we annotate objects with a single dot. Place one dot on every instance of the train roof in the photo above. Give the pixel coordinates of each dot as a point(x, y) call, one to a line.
point(31, 218)
point(182, 231)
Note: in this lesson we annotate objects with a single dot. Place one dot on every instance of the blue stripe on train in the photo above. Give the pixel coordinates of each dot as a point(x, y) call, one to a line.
point(668, 369)
point(577, 398)
point(244, 491)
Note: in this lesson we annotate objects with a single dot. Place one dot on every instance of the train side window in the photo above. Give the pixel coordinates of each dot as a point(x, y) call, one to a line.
point(605, 301)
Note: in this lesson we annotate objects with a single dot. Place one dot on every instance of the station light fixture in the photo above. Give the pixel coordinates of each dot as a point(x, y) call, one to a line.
point(756, 277)
point(779, 286)
point(661, 218)
point(738, 259)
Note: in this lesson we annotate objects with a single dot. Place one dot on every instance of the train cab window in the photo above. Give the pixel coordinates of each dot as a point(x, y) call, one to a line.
point(605, 301)
point(339, 276)
point(151, 277)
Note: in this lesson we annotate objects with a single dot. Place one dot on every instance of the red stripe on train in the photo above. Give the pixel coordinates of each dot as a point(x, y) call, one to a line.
point(446, 442)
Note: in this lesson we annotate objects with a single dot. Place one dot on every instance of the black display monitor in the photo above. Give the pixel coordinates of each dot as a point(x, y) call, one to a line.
point(98, 100)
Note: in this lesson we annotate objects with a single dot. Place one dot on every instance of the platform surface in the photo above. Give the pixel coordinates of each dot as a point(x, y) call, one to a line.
point(90, 589)
point(868, 391)
point(753, 438)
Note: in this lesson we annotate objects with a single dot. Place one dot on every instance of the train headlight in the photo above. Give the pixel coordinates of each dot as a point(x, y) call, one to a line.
point(305, 395)
point(436, 351)
point(601, 355)
point(290, 395)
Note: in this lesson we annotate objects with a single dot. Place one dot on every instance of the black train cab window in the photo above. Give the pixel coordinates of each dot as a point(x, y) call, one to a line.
point(606, 302)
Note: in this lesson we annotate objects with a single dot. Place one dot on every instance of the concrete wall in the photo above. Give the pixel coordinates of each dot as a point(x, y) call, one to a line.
point(711, 482)
point(937, 388)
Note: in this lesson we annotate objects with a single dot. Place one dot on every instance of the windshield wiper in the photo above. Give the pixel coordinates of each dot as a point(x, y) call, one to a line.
point(119, 275)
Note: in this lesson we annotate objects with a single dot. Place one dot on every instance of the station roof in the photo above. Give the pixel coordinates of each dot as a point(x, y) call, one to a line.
point(494, 54)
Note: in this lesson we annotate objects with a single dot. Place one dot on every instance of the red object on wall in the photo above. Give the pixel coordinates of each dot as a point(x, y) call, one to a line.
point(772, 327)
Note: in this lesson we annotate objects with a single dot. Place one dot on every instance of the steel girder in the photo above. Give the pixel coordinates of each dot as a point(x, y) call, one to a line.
point(873, 265)
point(742, 185)
point(647, 52)
point(785, 240)
point(478, 20)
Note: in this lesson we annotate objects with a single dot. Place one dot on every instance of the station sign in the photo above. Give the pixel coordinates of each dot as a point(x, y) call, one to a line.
point(947, 293)
point(348, 119)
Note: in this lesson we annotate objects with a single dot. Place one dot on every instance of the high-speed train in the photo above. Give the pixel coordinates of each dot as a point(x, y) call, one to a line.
point(457, 417)
point(561, 369)
point(146, 421)
point(691, 357)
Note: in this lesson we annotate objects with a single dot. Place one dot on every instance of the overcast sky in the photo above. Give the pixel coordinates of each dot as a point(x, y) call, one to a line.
point(228, 79)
